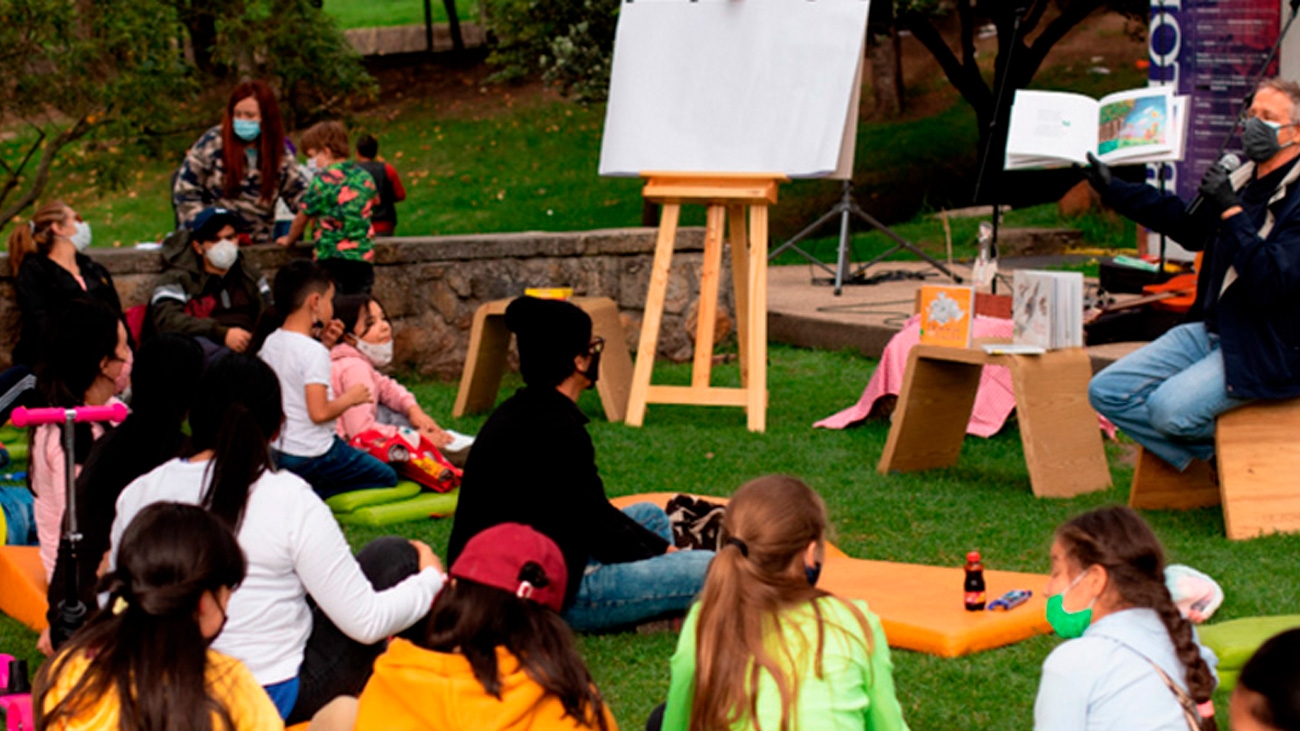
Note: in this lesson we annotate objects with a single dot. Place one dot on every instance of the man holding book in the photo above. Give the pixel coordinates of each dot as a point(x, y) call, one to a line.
point(1242, 338)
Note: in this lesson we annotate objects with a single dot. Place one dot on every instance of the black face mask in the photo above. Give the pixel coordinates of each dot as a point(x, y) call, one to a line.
point(813, 573)
point(593, 370)
point(1259, 140)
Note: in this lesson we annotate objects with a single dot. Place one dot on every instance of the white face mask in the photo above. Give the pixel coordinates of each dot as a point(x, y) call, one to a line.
point(223, 254)
point(379, 355)
point(80, 238)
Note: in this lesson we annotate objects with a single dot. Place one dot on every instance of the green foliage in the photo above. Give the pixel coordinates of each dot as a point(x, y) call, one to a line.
point(297, 45)
point(570, 42)
point(76, 71)
point(384, 13)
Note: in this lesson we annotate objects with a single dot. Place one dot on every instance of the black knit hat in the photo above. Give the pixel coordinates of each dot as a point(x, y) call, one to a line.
point(551, 333)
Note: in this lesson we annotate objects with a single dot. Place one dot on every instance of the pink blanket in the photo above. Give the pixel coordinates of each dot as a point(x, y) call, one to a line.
point(994, 401)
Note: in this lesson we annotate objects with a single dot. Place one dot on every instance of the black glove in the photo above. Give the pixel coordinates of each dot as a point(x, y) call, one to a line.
point(1216, 189)
point(1099, 175)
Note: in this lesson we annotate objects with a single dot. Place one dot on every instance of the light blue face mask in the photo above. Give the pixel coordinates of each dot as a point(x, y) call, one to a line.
point(247, 129)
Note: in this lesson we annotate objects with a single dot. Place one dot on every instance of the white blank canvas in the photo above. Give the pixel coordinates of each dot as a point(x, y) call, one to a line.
point(747, 86)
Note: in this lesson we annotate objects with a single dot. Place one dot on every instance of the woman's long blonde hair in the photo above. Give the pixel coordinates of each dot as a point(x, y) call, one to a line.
point(756, 574)
point(36, 235)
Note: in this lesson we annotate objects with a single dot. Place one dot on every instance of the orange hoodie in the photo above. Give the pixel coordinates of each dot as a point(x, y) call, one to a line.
point(416, 689)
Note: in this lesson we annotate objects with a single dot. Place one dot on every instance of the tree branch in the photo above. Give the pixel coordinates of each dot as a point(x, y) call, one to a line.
point(965, 12)
point(1074, 14)
point(1033, 17)
point(13, 174)
point(42, 176)
point(971, 85)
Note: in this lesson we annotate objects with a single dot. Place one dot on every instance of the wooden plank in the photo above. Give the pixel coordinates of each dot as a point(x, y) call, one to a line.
point(756, 410)
point(1158, 486)
point(653, 315)
point(748, 188)
point(738, 238)
point(1063, 448)
point(489, 339)
point(703, 396)
point(1259, 457)
point(929, 422)
point(706, 309)
point(615, 381)
point(972, 356)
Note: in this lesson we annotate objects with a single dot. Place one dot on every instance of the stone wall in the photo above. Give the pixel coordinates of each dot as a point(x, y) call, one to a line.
point(431, 286)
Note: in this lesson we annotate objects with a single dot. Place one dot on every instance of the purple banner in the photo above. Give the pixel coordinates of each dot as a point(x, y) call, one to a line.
point(1210, 50)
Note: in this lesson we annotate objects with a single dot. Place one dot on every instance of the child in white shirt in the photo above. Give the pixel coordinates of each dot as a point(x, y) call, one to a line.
point(307, 444)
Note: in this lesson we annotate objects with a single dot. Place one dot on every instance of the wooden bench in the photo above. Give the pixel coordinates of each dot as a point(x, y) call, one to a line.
point(1258, 451)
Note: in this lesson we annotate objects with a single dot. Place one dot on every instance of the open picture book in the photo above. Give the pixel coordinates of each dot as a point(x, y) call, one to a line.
point(1056, 129)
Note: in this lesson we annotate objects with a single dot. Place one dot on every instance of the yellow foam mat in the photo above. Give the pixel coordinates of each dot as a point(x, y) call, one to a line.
point(921, 606)
point(22, 585)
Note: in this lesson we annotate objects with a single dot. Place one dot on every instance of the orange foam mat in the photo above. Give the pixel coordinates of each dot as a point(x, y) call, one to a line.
point(22, 585)
point(921, 606)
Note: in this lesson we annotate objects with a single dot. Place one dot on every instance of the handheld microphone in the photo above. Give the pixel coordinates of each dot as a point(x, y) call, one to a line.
point(1229, 162)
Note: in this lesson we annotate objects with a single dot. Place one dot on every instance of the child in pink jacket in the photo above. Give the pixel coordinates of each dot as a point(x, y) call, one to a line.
point(366, 346)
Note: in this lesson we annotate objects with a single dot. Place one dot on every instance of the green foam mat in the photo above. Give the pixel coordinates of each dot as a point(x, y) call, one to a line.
point(1235, 641)
point(420, 507)
point(346, 502)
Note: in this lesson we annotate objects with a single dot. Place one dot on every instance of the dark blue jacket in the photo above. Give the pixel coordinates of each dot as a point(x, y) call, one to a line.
point(1258, 316)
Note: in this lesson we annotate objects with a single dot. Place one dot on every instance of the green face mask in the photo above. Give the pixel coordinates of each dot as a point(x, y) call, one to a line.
point(1068, 625)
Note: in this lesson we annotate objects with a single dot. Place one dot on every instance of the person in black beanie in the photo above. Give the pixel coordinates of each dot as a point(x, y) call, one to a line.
point(534, 463)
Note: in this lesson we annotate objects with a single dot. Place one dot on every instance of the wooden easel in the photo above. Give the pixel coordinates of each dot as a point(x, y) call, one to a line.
point(726, 196)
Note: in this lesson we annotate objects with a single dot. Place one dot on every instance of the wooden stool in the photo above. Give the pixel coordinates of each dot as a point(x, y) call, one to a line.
point(489, 339)
point(1259, 458)
point(726, 197)
point(1158, 486)
point(1058, 428)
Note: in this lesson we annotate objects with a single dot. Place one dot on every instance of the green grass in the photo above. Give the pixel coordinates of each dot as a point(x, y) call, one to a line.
point(932, 518)
point(381, 13)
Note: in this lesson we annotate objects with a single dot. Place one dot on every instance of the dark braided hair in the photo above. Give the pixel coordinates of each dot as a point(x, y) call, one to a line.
point(1117, 539)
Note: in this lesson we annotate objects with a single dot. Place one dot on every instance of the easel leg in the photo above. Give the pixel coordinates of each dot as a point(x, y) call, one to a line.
point(756, 389)
point(654, 310)
point(707, 308)
point(739, 241)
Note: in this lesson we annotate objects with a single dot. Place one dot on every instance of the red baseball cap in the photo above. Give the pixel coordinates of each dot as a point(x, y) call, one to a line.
point(496, 556)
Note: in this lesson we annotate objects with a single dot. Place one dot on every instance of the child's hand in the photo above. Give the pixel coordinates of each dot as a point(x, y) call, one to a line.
point(237, 339)
point(358, 394)
point(425, 424)
point(330, 334)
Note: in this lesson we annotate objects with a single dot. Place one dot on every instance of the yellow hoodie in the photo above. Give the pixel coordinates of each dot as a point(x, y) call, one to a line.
point(416, 689)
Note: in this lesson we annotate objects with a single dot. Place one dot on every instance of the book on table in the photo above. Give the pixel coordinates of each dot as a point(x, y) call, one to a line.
point(946, 313)
point(1056, 129)
point(1047, 309)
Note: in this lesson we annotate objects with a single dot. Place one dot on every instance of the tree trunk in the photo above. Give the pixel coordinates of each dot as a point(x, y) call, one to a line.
point(886, 56)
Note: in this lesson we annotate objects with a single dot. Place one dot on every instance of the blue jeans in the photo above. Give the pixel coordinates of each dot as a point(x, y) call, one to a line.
point(341, 469)
point(1167, 394)
point(622, 594)
point(283, 695)
point(16, 502)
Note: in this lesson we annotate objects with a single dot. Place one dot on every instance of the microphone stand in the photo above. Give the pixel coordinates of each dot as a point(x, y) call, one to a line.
point(1018, 16)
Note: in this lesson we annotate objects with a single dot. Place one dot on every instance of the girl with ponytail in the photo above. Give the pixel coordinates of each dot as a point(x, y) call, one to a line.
point(1132, 661)
point(764, 647)
point(303, 657)
point(49, 266)
point(144, 662)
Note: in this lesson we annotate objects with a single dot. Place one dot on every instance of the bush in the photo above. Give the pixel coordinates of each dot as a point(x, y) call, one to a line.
point(570, 43)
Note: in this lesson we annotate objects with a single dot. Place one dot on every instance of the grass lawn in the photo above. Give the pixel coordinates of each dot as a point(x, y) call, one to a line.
point(369, 14)
point(934, 518)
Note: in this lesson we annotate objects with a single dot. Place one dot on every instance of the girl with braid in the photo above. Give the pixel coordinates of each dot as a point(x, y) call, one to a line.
point(764, 648)
point(1131, 661)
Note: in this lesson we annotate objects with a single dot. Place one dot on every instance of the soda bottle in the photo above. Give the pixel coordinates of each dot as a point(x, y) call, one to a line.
point(974, 582)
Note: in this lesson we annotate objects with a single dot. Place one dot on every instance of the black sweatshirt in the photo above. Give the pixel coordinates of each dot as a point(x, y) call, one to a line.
point(533, 463)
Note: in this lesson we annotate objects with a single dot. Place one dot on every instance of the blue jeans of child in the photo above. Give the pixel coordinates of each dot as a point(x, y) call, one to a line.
point(623, 594)
point(341, 469)
point(1167, 394)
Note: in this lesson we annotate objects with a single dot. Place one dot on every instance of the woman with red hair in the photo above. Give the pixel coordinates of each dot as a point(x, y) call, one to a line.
point(241, 164)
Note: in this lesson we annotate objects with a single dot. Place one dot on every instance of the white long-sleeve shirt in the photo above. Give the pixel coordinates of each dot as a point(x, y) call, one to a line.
point(294, 548)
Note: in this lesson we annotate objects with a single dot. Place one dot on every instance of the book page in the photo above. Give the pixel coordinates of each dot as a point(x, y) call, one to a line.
point(1050, 128)
point(1137, 125)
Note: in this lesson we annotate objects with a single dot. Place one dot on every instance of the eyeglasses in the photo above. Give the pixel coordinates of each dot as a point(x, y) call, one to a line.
point(597, 346)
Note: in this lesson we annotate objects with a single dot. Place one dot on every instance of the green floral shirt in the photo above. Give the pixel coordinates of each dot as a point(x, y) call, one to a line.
point(339, 198)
